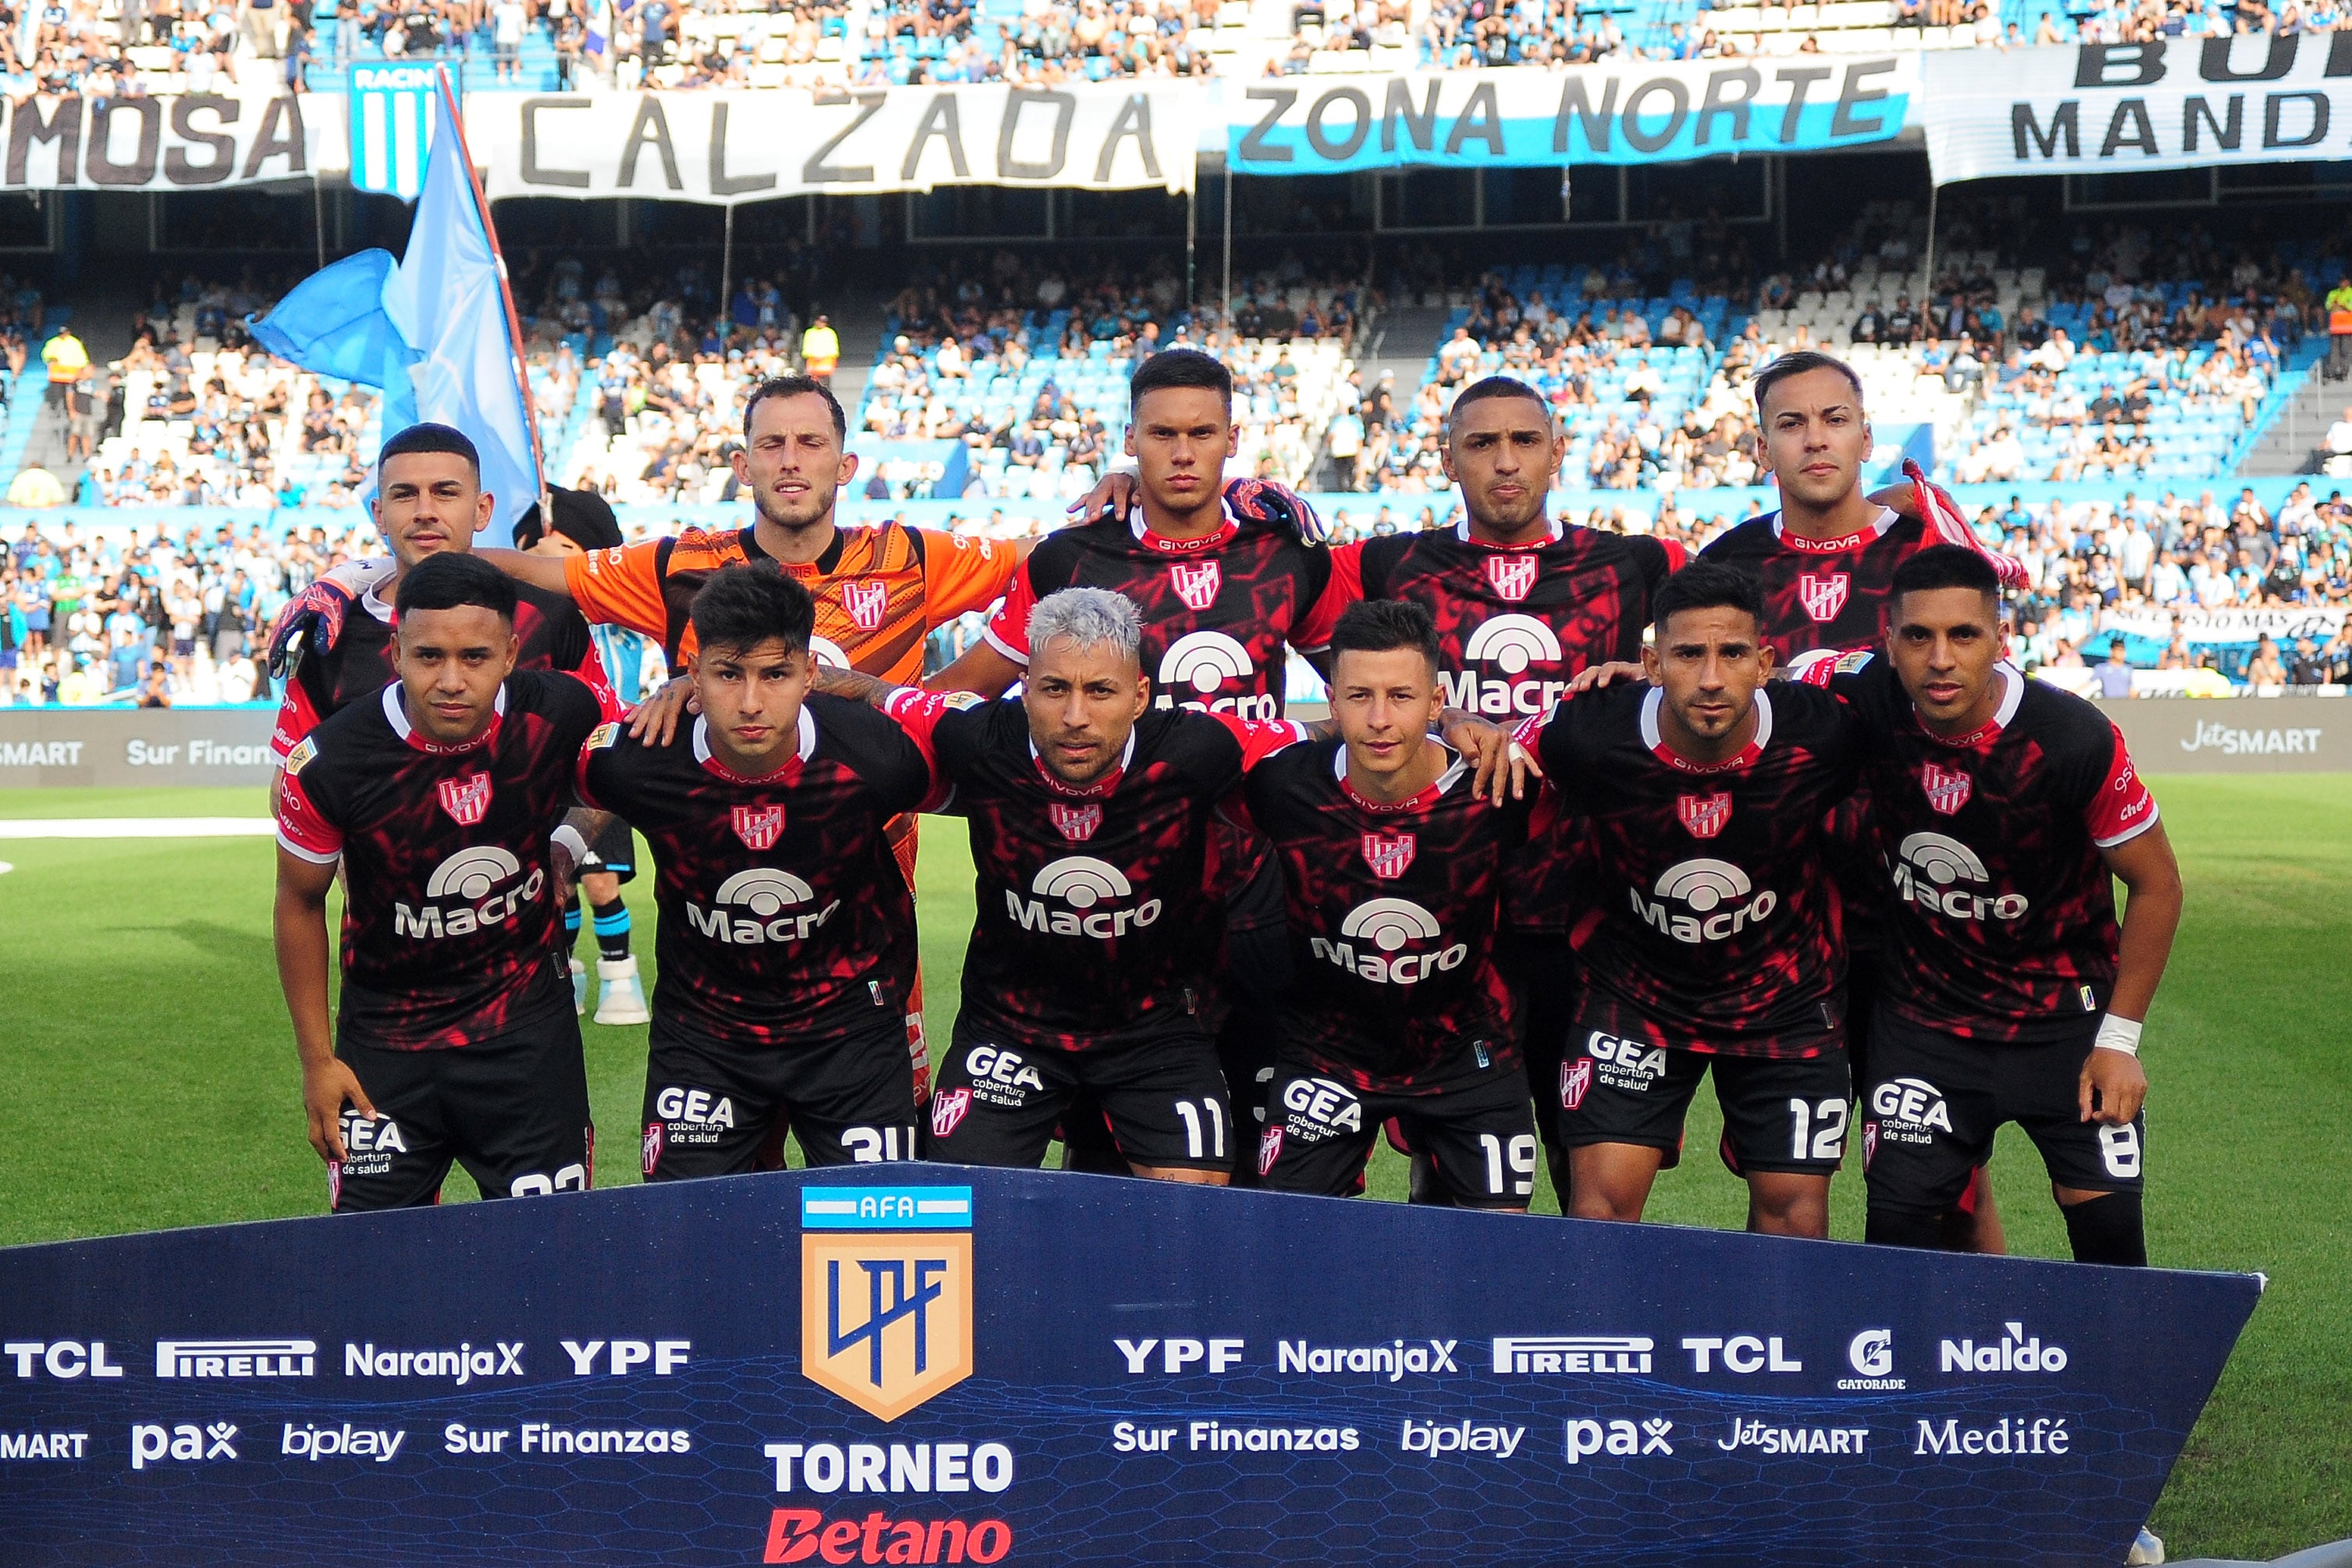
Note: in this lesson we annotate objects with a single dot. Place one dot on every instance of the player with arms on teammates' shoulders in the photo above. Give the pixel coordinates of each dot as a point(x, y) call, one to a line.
point(456, 1039)
point(787, 935)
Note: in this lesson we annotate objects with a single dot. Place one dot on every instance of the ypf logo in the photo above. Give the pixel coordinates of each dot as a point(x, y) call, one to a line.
point(1512, 643)
point(885, 1293)
point(759, 826)
point(466, 800)
point(1947, 788)
point(1385, 927)
point(1511, 576)
point(1948, 877)
point(1196, 582)
point(1199, 662)
point(1824, 594)
point(758, 905)
point(1703, 901)
point(867, 603)
point(1087, 887)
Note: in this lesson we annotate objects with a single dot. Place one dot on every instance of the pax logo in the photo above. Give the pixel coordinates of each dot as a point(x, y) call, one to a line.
point(1824, 594)
point(867, 603)
point(1196, 582)
point(151, 1444)
point(1620, 1438)
point(759, 826)
point(1388, 853)
point(1511, 575)
point(1947, 788)
point(1199, 663)
point(1703, 901)
point(1704, 816)
point(466, 800)
point(1076, 823)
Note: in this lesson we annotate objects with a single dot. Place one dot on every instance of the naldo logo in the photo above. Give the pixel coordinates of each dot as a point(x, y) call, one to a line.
point(1871, 1355)
point(2014, 1351)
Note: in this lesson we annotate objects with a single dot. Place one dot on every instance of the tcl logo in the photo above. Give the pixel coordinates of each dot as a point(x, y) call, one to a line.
point(64, 1358)
point(1742, 1353)
point(804, 1535)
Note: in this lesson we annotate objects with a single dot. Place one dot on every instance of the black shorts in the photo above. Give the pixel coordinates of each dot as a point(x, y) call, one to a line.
point(613, 852)
point(1935, 1102)
point(709, 1107)
point(1543, 971)
point(1257, 972)
point(1162, 1095)
point(1480, 1136)
point(512, 1110)
point(1780, 1114)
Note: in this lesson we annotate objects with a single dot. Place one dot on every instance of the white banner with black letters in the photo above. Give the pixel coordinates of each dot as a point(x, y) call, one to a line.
point(729, 146)
point(2107, 109)
point(188, 142)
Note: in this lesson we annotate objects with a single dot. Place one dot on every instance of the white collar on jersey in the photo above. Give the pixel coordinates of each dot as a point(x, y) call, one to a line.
point(1455, 771)
point(1656, 698)
point(1125, 757)
point(1878, 525)
point(396, 712)
point(2012, 693)
point(1143, 534)
point(1558, 531)
point(807, 728)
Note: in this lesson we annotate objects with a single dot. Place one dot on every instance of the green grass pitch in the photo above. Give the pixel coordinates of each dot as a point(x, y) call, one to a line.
point(151, 1082)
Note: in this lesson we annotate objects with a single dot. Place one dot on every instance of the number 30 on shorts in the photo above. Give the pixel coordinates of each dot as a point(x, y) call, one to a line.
point(1817, 1131)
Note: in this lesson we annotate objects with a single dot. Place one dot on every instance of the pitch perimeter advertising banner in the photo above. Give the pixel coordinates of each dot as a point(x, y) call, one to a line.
point(906, 1363)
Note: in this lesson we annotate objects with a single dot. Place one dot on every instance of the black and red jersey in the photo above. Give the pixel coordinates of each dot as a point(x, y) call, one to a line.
point(1714, 926)
point(1391, 912)
point(1218, 611)
point(1822, 594)
point(1094, 923)
point(2003, 922)
point(785, 921)
point(1515, 623)
point(449, 927)
point(549, 634)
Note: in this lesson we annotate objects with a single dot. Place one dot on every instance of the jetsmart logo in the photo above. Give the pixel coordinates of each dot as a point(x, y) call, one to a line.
point(1081, 884)
point(235, 1357)
point(464, 894)
point(1945, 875)
point(2012, 1353)
point(756, 905)
point(1703, 901)
point(1202, 662)
point(1387, 924)
point(1511, 644)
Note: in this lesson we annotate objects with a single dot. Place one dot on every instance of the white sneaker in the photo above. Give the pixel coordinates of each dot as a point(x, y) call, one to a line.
point(2147, 1551)
point(578, 988)
point(620, 996)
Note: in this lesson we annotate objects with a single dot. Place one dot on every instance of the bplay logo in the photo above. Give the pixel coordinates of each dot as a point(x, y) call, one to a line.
point(1704, 900)
point(1871, 1355)
point(760, 904)
point(1438, 1438)
point(380, 1444)
point(2014, 1351)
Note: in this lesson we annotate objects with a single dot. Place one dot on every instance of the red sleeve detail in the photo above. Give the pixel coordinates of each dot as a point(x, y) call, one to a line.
point(1008, 628)
point(1260, 740)
point(1528, 729)
point(580, 790)
point(919, 713)
point(591, 673)
point(1313, 635)
point(303, 827)
point(297, 718)
point(2122, 808)
point(1678, 554)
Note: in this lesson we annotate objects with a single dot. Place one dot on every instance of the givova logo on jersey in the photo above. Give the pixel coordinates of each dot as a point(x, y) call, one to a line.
point(1075, 897)
point(1197, 666)
point(1945, 876)
point(471, 891)
point(761, 904)
point(1511, 645)
point(1698, 901)
point(1374, 937)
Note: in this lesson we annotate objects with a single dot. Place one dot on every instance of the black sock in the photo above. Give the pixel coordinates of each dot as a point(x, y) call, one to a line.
point(612, 931)
point(1892, 1227)
point(2108, 1228)
point(571, 921)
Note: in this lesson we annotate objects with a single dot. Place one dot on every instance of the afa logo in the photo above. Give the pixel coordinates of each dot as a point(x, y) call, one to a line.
point(885, 1293)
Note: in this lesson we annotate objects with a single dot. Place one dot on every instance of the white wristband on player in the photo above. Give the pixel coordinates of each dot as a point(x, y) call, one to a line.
point(568, 838)
point(2117, 1034)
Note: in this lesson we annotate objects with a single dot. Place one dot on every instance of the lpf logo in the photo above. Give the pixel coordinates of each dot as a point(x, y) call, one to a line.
point(1704, 815)
point(759, 826)
point(1948, 787)
point(1511, 575)
point(1388, 853)
point(1824, 594)
point(1196, 582)
point(466, 799)
point(867, 603)
point(885, 1293)
point(1076, 823)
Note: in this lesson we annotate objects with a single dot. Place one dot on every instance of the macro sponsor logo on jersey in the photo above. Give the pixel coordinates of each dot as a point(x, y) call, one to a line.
point(1202, 662)
point(186, 1443)
point(1573, 1355)
point(1511, 644)
point(468, 892)
point(1083, 883)
point(459, 1367)
point(236, 1358)
point(1698, 901)
point(885, 1293)
point(1385, 927)
point(758, 905)
point(1765, 1439)
point(2011, 1437)
point(1742, 1353)
point(1439, 1439)
point(1907, 1111)
point(2014, 1351)
point(1945, 877)
point(1393, 1361)
point(1824, 594)
point(1622, 1438)
point(1871, 1355)
point(63, 1359)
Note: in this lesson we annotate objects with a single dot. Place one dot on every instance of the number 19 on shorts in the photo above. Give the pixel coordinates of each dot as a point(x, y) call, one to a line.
point(1518, 1154)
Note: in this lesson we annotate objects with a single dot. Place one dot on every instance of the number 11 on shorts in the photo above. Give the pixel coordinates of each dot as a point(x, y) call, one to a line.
point(1196, 1148)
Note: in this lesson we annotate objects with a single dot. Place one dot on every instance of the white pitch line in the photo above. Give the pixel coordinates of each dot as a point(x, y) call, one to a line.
point(138, 827)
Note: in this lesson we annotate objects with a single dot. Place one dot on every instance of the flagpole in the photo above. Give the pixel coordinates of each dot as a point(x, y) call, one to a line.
point(506, 295)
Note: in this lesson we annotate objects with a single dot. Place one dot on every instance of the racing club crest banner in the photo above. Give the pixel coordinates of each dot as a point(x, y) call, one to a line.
point(904, 1364)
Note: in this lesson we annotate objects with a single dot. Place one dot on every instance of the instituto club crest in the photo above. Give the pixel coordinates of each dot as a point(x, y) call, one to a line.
point(1575, 1081)
point(759, 826)
point(1512, 575)
point(1704, 815)
point(1196, 582)
point(885, 1293)
point(866, 603)
point(467, 799)
point(1388, 854)
point(1076, 823)
point(1824, 594)
point(1948, 787)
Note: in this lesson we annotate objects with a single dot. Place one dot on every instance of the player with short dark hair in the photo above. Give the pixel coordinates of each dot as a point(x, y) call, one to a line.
point(1392, 869)
point(787, 935)
point(455, 1040)
point(1713, 943)
point(2004, 810)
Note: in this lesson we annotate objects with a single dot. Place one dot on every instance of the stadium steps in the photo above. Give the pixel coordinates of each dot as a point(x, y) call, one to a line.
point(1402, 341)
point(859, 324)
point(2286, 439)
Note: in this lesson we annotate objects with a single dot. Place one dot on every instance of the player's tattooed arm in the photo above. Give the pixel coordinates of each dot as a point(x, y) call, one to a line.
point(569, 845)
point(299, 923)
point(1594, 676)
point(2114, 1085)
point(980, 668)
point(854, 684)
point(1501, 764)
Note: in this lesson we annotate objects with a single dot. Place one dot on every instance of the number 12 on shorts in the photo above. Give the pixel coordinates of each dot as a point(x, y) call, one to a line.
point(1521, 1156)
point(1817, 1131)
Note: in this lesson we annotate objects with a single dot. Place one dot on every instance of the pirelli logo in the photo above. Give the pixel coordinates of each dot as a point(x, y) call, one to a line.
point(237, 1357)
point(1562, 1354)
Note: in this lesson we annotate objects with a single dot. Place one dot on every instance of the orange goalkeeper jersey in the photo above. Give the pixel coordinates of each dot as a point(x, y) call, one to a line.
point(881, 590)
